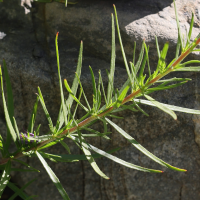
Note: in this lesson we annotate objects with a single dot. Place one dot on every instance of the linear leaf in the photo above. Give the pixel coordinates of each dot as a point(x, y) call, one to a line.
point(121, 45)
point(33, 116)
point(117, 160)
point(45, 110)
point(162, 107)
point(40, 138)
point(122, 96)
point(27, 165)
point(141, 148)
point(175, 108)
point(60, 83)
point(53, 177)
point(72, 158)
point(188, 69)
point(13, 187)
point(65, 146)
point(92, 161)
point(8, 120)
point(20, 191)
point(5, 177)
point(9, 102)
point(71, 93)
point(178, 26)
point(77, 76)
point(190, 30)
point(138, 64)
point(112, 66)
point(16, 128)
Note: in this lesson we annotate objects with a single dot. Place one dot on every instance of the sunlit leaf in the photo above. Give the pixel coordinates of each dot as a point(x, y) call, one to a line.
point(53, 177)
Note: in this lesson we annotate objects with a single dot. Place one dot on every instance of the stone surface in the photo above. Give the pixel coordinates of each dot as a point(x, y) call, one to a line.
point(29, 50)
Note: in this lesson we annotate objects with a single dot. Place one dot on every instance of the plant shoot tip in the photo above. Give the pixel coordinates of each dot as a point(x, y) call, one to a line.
point(57, 33)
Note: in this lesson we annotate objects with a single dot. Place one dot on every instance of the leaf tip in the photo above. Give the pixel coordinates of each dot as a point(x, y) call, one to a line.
point(57, 34)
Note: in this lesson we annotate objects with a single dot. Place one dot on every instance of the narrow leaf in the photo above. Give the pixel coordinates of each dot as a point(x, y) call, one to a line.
point(161, 106)
point(112, 65)
point(20, 191)
point(33, 116)
point(45, 110)
point(5, 177)
point(53, 177)
point(72, 158)
point(60, 82)
point(171, 107)
point(8, 121)
point(65, 146)
point(141, 148)
point(121, 45)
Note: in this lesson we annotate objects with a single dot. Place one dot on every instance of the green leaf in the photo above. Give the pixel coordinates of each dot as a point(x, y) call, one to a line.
point(117, 160)
point(141, 148)
point(53, 177)
point(161, 62)
point(102, 86)
point(7, 116)
point(178, 26)
point(77, 76)
point(13, 187)
point(161, 106)
point(138, 64)
point(140, 78)
point(9, 102)
point(173, 80)
point(122, 96)
point(190, 30)
point(27, 165)
point(33, 116)
point(112, 66)
point(171, 107)
point(96, 133)
point(87, 102)
point(41, 138)
point(189, 62)
point(45, 110)
point(91, 160)
point(157, 46)
point(65, 146)
point(122, 162)
point(65, 3)
point(20, 191)
point(121, 45)
point(72, 158)
point(5, 177)
point(16, 128)
point(188, 69)
point(93, 83)
point(148, 91)
point(71, 93)
point(60, 83)
point(134, 48)
point(140, 109)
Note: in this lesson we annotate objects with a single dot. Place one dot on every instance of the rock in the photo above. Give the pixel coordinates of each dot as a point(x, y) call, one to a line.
point(29, 50)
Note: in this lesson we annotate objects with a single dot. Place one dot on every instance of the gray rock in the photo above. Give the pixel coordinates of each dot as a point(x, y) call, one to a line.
point(29, 50)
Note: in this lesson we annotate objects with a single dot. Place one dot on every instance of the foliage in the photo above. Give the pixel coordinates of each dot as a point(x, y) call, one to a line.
point(67, 126)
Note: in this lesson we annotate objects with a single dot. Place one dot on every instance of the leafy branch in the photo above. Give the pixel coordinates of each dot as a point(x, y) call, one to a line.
point(137, 85)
